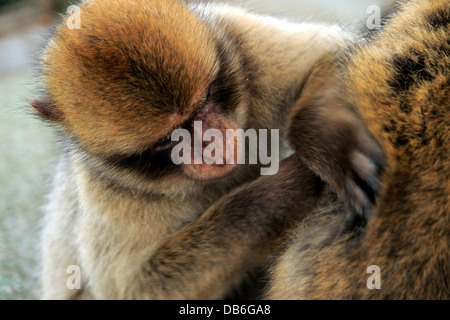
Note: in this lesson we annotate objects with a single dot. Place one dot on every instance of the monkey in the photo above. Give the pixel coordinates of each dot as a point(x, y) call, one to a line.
point(396, 82)
point(137, 225)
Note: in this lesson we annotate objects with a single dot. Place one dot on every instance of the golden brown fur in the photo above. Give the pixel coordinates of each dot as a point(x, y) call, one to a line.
point(398, 84)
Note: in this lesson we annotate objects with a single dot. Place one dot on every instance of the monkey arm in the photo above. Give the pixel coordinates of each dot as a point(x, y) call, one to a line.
point(332, 140)
point(235, 235)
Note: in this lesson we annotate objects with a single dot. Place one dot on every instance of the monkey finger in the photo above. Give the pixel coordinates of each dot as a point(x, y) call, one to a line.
point(370, 147)
point(358, 197)
point(366, 171)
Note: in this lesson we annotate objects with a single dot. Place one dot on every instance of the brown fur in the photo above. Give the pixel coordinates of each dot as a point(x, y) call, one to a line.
point(398, 84)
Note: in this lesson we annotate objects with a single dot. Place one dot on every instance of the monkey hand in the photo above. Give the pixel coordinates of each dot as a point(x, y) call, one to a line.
point(334, 143)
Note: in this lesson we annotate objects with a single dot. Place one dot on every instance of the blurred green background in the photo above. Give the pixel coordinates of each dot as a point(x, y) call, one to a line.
point(28, 147)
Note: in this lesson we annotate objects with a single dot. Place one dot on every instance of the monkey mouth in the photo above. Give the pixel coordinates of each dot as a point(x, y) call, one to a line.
point(206, 172)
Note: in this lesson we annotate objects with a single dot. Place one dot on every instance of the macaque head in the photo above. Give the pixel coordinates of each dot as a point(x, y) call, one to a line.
point(132, 74)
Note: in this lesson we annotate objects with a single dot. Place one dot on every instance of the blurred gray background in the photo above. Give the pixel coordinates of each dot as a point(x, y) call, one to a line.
point(28, 147)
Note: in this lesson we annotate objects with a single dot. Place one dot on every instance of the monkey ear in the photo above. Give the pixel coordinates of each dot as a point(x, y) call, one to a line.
point(47, 110)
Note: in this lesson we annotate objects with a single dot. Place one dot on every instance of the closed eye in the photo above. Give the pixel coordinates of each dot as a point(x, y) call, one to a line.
point(164, 144)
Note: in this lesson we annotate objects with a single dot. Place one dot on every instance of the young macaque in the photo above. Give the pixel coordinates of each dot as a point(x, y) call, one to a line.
point(138, 225)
